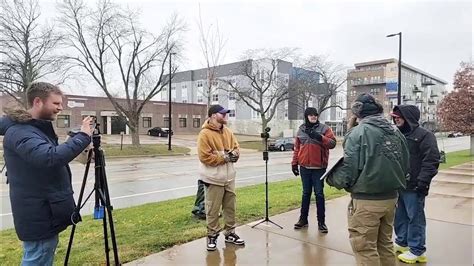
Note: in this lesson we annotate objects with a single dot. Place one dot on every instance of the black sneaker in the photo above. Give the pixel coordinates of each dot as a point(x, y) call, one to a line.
point(211, 243)
point(301, 223)
point(234, 239)
point(322, 228)
point(200, 215)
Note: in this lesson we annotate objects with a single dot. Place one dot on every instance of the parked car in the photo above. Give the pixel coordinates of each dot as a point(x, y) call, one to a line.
point(282, 144)
point(455, 134)
point(159, 132)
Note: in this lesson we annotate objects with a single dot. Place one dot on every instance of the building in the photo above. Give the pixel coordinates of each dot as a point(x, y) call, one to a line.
point(186, 118)
point(190, 87)
point(380, 78)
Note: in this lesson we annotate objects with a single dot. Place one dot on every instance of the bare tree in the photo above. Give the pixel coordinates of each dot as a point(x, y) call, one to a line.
point(262, 88)
point(331, 78)
point(26, 49)
point(119, 55)
point(212, 43)
point(303, 88)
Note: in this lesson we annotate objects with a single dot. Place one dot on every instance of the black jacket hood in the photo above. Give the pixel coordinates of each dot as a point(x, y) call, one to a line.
point(410, 113)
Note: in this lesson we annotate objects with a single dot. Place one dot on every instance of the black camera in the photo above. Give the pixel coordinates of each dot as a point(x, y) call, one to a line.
point(265, 135)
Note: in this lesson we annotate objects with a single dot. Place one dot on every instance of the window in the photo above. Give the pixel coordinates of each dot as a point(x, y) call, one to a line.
point(215, 83)
point(196, 122)
point(166, 122)
point(146, 122)
point(231, 95)
point(182, 122)
point(63, 121)
point(199, 99)
point(199, 83)
point(215, 97)
point(231, 113)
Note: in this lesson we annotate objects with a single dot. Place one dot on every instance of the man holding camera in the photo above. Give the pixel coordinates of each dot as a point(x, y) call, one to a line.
point(218, 150)
point(311, 153)
point(41, 192)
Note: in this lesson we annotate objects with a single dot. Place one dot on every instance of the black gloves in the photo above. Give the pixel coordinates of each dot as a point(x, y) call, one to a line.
point(422, 189)
point(313, 134)
point(295, 170)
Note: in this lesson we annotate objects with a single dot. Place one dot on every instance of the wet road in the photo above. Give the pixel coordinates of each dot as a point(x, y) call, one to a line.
point(134, 181)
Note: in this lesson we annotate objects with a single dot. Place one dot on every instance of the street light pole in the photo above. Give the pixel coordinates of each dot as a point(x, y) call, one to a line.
point(399, 93)
point(169, 107)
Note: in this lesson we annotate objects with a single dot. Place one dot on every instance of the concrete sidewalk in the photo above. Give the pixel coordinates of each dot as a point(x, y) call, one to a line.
point(449, 211)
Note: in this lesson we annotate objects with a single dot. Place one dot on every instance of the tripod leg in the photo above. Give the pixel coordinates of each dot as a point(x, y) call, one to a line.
point(108, 208)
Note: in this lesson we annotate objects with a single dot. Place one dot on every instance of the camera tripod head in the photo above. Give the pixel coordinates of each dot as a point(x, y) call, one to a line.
point(96, 136)
point(265, 135)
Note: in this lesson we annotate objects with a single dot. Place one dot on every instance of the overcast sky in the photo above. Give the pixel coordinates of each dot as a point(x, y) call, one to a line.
point(437, 35)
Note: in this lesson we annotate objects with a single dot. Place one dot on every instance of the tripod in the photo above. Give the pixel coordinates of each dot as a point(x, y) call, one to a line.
point(265, 136)
point(102, 200)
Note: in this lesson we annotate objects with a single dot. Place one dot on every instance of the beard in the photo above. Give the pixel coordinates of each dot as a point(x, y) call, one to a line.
point(222, 121)
point(48, 115)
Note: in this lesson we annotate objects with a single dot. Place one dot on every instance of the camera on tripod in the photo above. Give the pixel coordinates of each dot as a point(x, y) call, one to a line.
point(265, 135)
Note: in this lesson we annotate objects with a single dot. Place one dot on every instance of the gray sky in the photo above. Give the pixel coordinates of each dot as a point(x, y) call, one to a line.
point(437, 35)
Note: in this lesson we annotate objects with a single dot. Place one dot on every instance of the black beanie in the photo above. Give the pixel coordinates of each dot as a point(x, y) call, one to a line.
point(309, 111)
point(365, 105)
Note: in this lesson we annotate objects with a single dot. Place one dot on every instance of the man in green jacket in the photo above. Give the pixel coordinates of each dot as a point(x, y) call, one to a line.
point(374, 168)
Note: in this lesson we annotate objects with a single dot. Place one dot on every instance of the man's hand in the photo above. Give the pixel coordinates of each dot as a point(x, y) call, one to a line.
point(295, 170)
point(86, 126)
point(422, 189)
point(314, 135)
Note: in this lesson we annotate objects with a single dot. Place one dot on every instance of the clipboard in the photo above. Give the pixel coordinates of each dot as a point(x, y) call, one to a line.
point(333, 168)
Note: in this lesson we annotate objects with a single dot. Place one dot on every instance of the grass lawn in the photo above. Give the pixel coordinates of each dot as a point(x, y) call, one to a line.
point(144, 149)
point(455, 158)
point(150, 228)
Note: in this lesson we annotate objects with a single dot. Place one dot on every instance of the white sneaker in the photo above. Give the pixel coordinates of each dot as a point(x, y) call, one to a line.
point(399, 249)
point(411, 258)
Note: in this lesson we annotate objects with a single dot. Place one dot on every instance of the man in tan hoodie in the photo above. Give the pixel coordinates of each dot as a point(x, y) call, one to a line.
point(218, 150)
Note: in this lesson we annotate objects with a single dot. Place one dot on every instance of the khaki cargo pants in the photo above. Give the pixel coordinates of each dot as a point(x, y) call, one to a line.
point(370, 231)
point(217, 197)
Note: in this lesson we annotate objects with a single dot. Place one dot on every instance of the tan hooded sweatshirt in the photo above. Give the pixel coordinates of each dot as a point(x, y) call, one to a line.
point(212, 144)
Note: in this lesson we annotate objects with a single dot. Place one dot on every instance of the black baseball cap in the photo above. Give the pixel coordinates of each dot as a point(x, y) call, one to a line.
point(217, 109)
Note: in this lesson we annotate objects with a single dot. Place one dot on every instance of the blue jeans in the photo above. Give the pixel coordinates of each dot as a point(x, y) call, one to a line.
point(410, 222)
point(39, 252)
point(310, 179)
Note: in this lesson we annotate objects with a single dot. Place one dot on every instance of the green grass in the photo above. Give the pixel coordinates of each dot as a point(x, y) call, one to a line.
point(144, 149)
point(253, 144)
point(455, 158)
point(150, 228)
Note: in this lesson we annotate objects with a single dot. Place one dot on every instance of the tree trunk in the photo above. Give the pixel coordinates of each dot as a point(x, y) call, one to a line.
point(134, 133)
point(472, 144)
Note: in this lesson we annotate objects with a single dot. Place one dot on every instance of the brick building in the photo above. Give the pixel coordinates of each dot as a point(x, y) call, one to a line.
point(186, 118)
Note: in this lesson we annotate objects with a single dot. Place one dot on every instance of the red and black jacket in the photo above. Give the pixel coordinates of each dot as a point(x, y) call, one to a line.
point(310, 152)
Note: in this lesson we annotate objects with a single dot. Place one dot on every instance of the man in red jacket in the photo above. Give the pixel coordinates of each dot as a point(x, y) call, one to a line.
point(311, 153)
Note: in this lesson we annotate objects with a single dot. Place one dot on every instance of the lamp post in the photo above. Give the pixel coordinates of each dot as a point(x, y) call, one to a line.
point(399, 93)
point(169, 107)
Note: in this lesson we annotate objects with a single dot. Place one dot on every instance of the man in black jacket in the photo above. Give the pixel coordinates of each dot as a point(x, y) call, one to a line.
point(41, 193)
point(410, 221)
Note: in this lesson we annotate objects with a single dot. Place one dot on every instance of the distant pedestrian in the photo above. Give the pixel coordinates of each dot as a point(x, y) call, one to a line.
point(218, 150)
point(374, 168)
point(199, 209)
point(311, 153)
point(410, 221)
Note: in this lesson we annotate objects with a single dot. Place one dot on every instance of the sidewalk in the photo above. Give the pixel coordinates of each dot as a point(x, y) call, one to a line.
point(449, 212)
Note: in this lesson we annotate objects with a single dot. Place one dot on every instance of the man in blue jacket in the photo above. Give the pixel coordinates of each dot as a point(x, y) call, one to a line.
point(41, 192)
point(410, 221)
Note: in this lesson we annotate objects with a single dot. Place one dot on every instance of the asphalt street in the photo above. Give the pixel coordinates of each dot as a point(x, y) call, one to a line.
point(135, 181)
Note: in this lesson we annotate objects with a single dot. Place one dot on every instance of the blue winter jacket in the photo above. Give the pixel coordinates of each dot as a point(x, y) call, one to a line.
point(39, 176)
